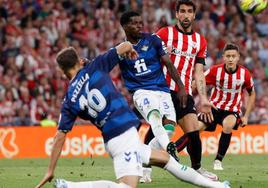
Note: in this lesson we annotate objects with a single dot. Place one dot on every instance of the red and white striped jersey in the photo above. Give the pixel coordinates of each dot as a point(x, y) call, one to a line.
point(228, 87)
point(183, 49)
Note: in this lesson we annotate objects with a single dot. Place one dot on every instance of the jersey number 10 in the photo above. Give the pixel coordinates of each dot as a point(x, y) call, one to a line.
point(94, 102)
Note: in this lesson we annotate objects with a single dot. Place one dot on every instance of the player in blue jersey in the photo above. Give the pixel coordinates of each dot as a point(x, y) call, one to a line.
point(144, 78)
point(92, 96)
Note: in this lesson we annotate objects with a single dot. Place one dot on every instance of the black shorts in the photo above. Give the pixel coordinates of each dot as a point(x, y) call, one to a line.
point(219, 116)
point(180, 111)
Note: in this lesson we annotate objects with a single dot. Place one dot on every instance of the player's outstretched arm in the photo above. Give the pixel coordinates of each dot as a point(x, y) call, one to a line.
point(176, 77)
point(201, 88)
point(59, 140)
point(250, 106)
point(125, 49)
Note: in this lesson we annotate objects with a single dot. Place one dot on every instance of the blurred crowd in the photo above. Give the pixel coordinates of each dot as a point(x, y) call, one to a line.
point(33, 31)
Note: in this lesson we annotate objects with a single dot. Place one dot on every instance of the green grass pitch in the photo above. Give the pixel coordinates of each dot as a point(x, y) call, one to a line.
point(243, 171)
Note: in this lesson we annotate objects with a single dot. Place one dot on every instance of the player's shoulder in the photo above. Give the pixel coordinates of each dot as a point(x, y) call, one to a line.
point(202, 37)
point(242, 67)
point(163, 29)
point(151, 37)
point(217, 66)
point(163, 32)
point(147, 35)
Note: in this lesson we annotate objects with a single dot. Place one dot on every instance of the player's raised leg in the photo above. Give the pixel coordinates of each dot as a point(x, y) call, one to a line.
point(148, 104)
point(162, 159)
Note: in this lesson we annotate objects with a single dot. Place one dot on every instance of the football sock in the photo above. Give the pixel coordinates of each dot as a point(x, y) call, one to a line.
point(189, 175)
point(169, 129)
point(155, 120)
point(182, 142)
point(154, 144)
point(223, 145)
point(194, 148)
point(95, 184)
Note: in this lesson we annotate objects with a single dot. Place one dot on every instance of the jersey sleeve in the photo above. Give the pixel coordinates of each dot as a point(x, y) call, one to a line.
point(248, 84)
point(159, 45)
point(210, 76)
point(202, 53)
point(105, 62)
point(163, 34)
point(67, 119)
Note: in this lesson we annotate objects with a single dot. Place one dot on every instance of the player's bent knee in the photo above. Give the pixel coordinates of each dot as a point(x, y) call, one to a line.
point(190, 123)
point(159, 158)
point(228, 123)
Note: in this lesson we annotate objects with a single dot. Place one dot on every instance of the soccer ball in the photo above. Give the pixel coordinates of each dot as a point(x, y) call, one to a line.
point(253, 6)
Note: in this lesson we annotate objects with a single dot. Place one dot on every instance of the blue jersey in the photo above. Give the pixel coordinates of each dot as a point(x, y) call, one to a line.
point(145, 72)
point(92, 96)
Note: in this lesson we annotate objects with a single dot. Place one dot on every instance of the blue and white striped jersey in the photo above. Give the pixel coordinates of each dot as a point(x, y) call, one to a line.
point(92, 96)
point(145, 72)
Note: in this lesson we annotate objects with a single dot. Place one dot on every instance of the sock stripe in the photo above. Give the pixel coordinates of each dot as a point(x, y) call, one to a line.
point(169, 127)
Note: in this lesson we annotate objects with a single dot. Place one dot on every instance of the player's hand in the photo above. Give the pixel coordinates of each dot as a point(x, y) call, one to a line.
point(205, 109)
point(182, 95)
point(126, 50)
point(132, 54)
point(244, 121)
point(47, 178)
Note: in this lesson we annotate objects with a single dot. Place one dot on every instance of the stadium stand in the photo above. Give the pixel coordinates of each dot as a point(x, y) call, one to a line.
point(33, 31)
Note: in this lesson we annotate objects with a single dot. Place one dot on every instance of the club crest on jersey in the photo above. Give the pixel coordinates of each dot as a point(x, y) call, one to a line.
point(144, 48)
point(194, 45)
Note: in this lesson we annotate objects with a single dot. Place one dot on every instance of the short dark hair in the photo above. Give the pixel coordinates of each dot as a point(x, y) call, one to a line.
point(125, 18)
point(230, 46)
point(67, 58)
point(185, 2)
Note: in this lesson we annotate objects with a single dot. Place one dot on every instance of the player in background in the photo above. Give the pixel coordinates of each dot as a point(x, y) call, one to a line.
point(228, 79)
point(92, 96)
point(188, 52)
point(144, 78)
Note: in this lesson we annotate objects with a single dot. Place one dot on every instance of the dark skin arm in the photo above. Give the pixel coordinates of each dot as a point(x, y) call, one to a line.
point(182, 95)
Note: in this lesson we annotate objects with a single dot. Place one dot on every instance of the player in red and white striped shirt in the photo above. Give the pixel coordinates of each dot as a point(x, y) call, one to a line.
point(188, 52)
point(228, 79)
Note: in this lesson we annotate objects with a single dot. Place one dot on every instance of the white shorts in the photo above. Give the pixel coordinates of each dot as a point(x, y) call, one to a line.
point(147, 100)
point(125, 151)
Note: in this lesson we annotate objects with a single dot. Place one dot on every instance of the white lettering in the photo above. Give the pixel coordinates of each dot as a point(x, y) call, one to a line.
point(78, 87)
point(248, 142)
point(212, 144)
point(244, 143)
point(79, 146)
point(48, 146)
point(234, 147)
point(75, 146)
point(258, 143)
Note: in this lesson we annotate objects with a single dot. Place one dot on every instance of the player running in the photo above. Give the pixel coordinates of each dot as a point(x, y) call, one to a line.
point(228, 80)
point(92, 96)
point(188, 52)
